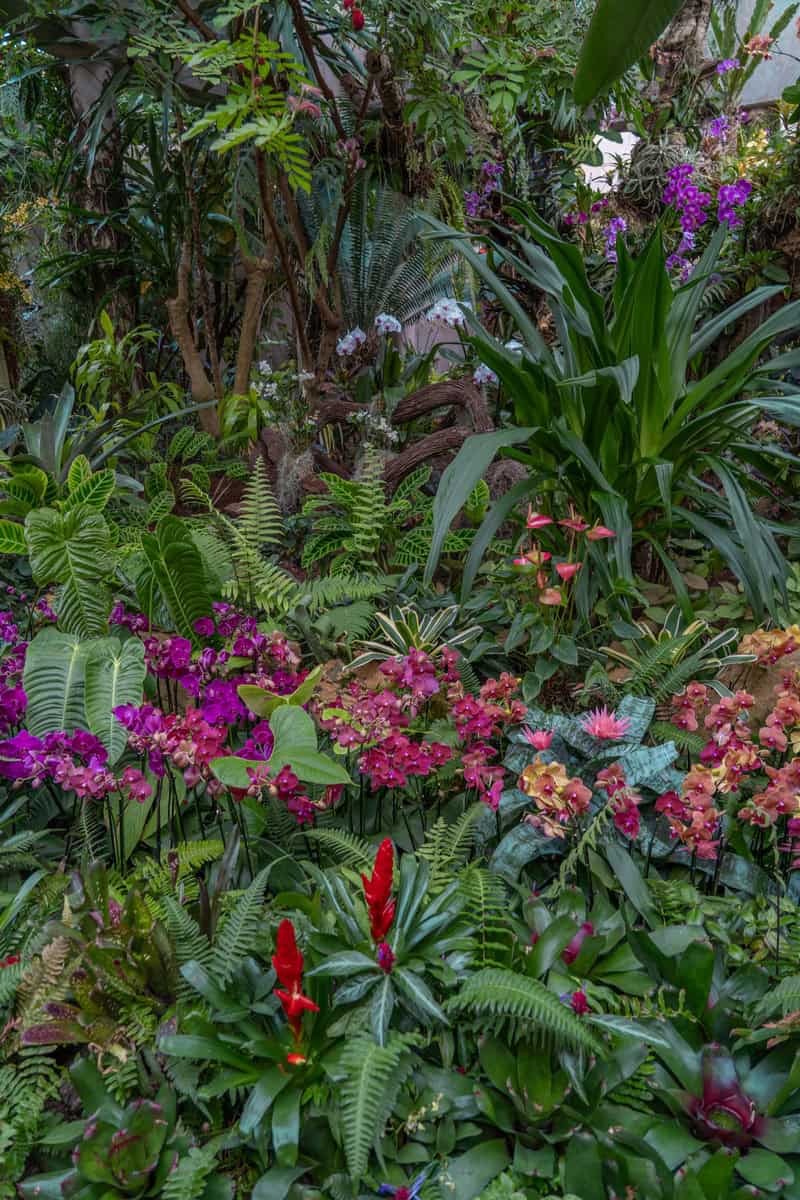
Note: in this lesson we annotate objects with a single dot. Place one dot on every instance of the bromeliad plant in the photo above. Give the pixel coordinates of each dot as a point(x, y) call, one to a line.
point(124, 1150)
point(616, 418)
point(392, 952)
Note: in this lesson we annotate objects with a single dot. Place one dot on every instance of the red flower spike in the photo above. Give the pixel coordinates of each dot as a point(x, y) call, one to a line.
point(357, 19)
point(378, 891)
point(287, 961)
point(288, 964)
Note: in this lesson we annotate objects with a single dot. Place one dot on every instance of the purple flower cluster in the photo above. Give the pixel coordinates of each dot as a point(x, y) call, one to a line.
point(686, 197)
point(186, 740)
point(416, 672)
point(9, 631)
point(678, 260)
point(728, 64)
point(44, 610)
point(478, 203)
point(730, 197)
point(136, 622)
point(582, 218)
point(615, 227)
point(76, 762)
point(719, 128)
point(398, 757)
point(13, 700)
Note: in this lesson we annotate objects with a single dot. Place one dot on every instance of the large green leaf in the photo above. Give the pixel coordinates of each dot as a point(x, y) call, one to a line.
point(459, 479)
point(115, 675)
point(620, 33)
point(12, 539)
point(175, 568)
point(55, 666)
point(74, 550)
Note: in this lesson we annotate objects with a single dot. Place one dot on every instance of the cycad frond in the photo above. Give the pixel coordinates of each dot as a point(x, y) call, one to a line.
point(502, 997)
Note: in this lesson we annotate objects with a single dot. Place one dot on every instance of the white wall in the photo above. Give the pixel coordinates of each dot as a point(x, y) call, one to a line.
point(776, 73)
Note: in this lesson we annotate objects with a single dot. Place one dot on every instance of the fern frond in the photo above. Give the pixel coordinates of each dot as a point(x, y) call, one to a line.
point(240, 930)
point(344, 847)
point(188, 940)
point(526, 1005)
point(187, 1179)
point(783, 999)
point(369, 1068)
point(485, 913)
point(320, 594)
point(447, 846)
point(684, 739)
point(260, 520)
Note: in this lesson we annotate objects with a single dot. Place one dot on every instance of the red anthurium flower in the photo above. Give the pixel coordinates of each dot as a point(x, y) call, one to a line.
point(537, 520)
point(288, 964)
point(599, 532)
point(568, 570)
point(378, 891)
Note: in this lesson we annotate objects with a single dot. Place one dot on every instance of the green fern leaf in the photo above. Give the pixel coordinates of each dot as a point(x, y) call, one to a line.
point(241, 930)
point(526, 1003)
point(368, 1070)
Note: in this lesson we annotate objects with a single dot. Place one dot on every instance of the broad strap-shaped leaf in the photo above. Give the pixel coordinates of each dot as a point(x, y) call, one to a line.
point(115, 673)
point(175, 567)
point(74, 550)
point(460, 478)
point(55, 666)
point(12, 539)
point(620, 33)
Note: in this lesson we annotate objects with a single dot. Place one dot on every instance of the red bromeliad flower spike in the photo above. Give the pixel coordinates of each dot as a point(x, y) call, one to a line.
point(378, 891)
point(288, 964)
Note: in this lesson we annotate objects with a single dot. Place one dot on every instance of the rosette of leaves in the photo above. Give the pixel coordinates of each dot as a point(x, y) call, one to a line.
point(233, 1039)
point(645, 766)
point(428, 945)
point(133, 1151)
point(119, 968)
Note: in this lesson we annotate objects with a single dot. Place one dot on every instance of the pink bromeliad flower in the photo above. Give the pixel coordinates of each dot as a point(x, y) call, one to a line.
point(540, 739)
point(604, 725)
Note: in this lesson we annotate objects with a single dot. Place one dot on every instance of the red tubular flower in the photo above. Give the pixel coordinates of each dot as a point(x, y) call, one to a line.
point(288, 964)
point(357, 19)
point(378, 891)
